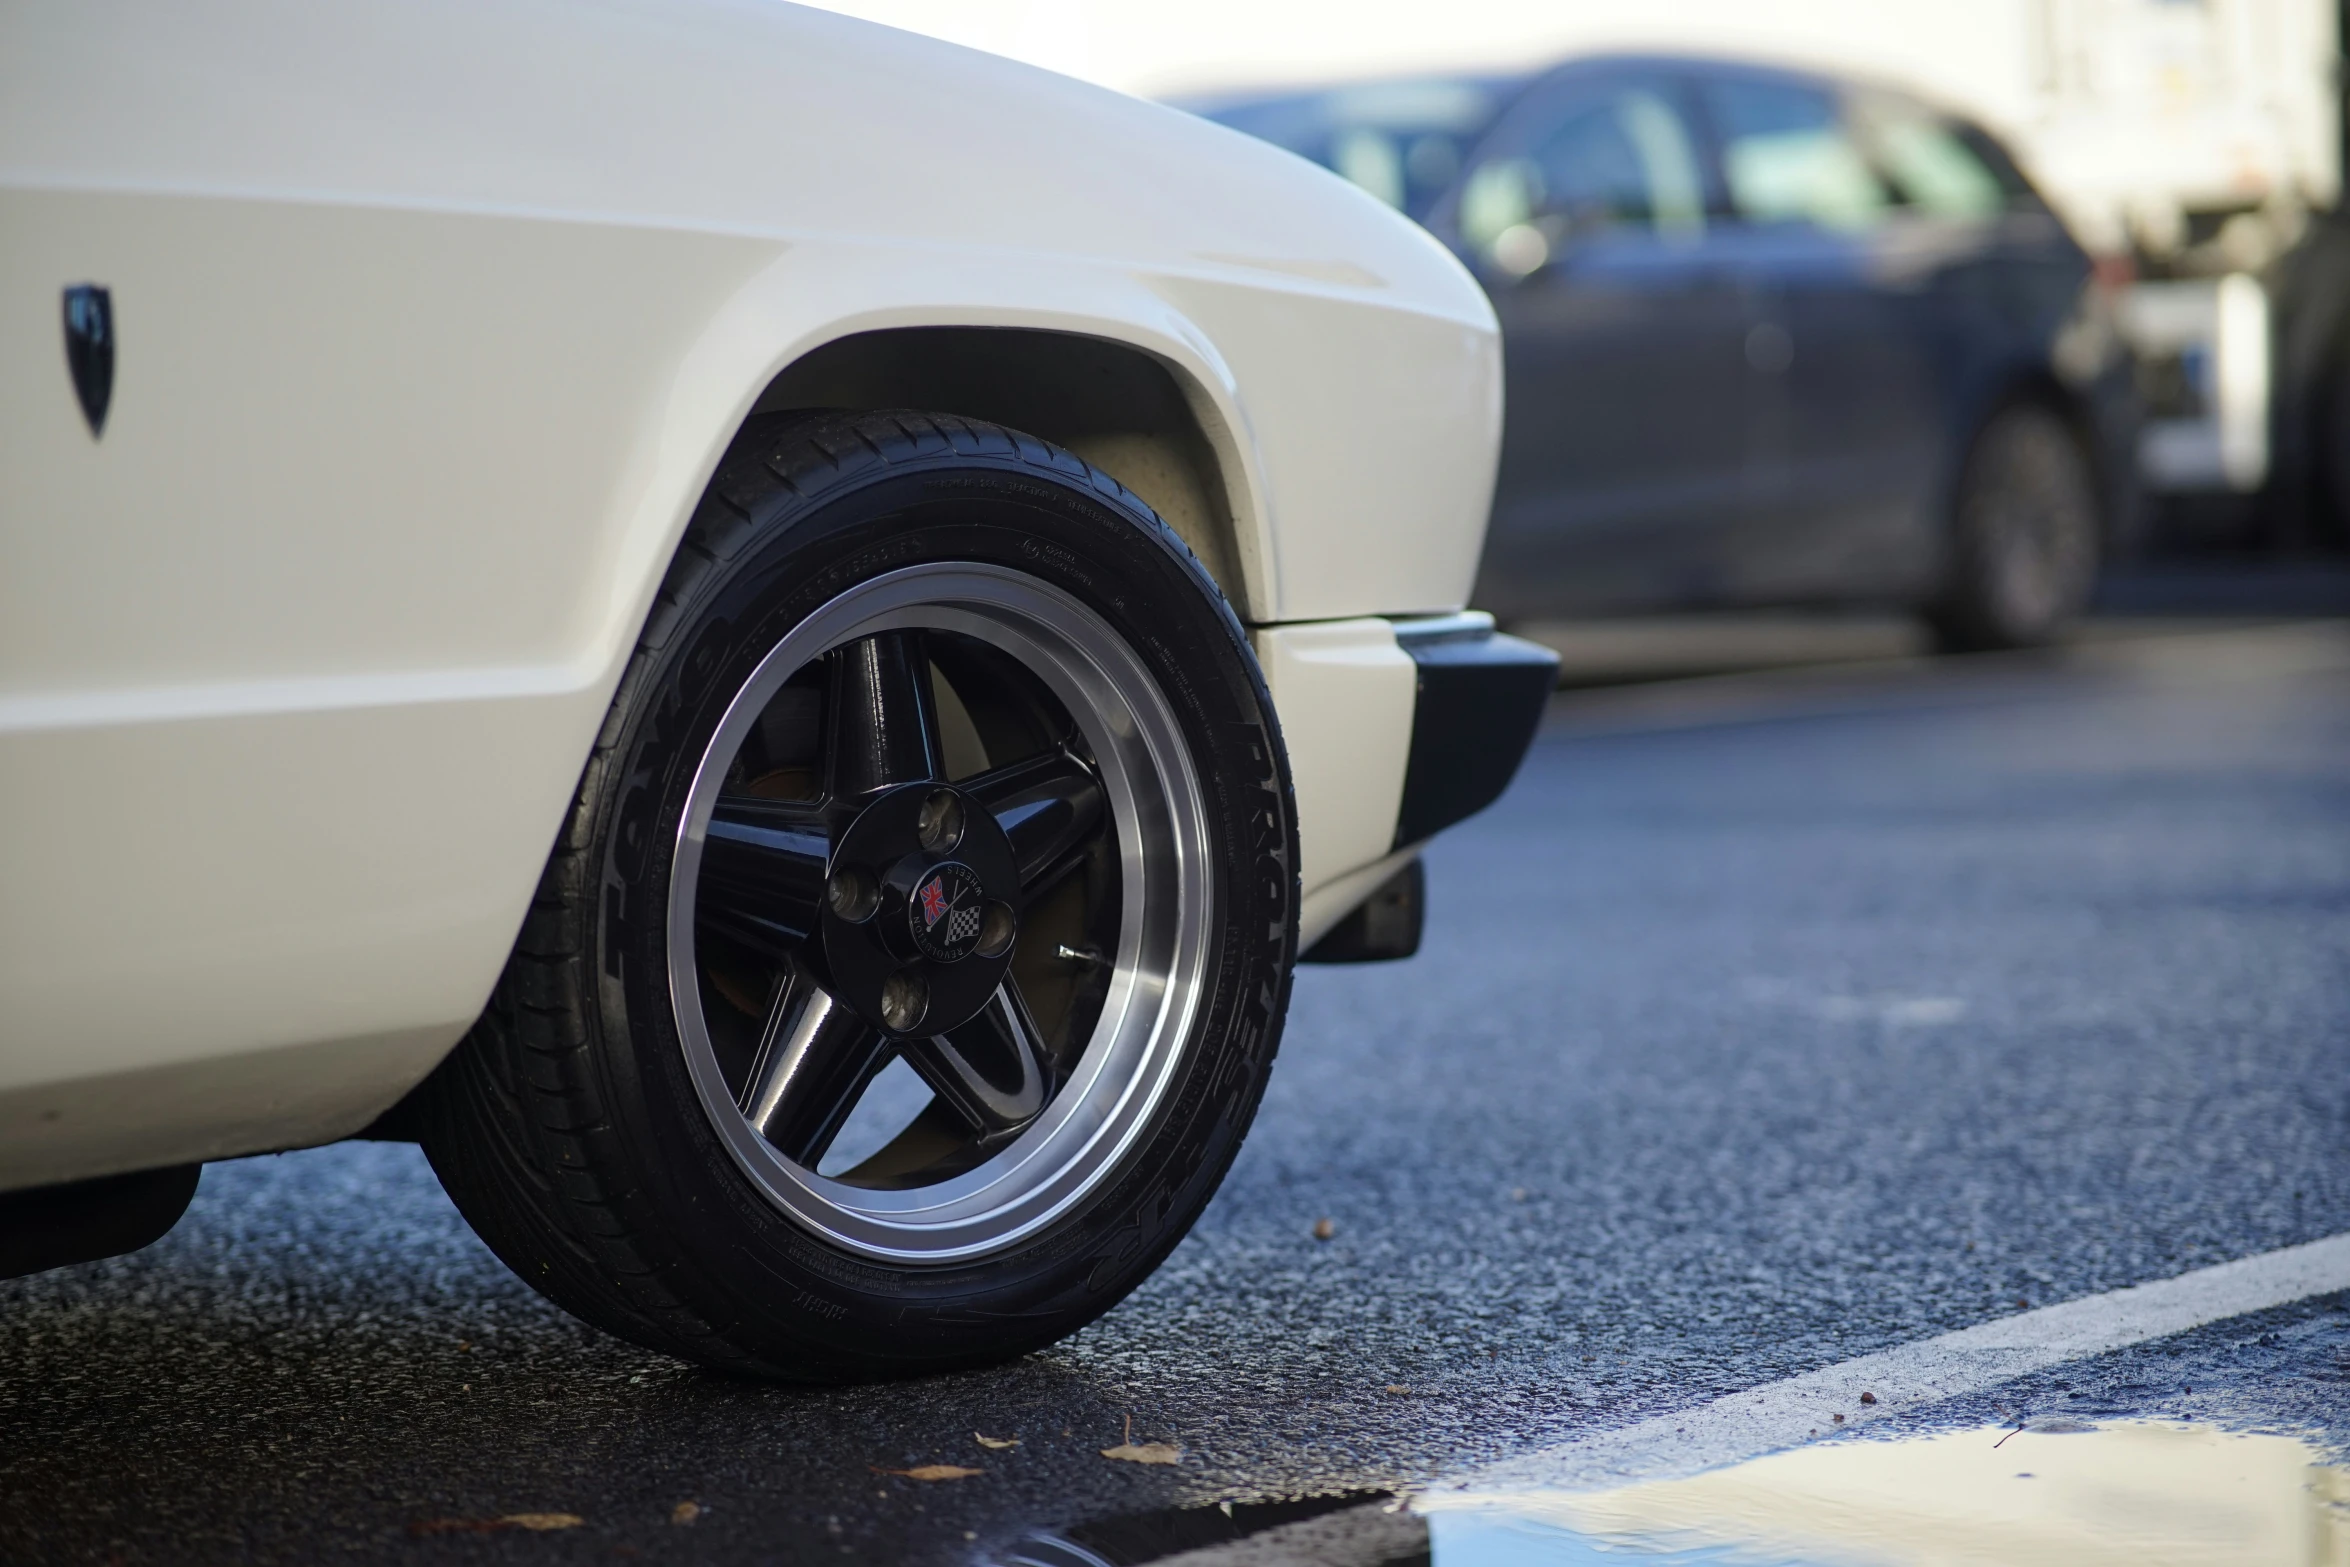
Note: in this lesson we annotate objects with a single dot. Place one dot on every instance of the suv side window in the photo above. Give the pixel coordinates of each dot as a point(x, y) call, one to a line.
point(1932, 168)
point(1595, 158)
point(1789, 157)
point(2012, 184)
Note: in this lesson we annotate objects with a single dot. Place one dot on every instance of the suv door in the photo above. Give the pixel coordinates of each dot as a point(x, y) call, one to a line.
point(1849, 448)
point(1585, 213)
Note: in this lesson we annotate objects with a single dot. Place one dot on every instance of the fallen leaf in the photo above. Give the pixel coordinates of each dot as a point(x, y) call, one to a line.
point(1145, 1453)
point(1397, 1387)
point(685, 1512)
point(995, 1443)
point(932, 1472)
point(538, 1523)
point(1324, 1229)
point(1131, 1452)
point(1868, 1398)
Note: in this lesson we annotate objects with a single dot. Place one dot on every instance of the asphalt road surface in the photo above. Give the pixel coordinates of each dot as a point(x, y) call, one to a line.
point(1766, 1023)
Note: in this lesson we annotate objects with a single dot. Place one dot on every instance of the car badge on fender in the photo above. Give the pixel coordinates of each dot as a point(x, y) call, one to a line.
point(89, 350)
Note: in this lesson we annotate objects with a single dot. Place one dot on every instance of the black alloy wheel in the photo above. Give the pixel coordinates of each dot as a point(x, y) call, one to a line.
point(915, 954)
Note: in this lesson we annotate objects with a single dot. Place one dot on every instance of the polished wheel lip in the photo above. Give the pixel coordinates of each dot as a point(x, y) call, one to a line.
point(1159, 813)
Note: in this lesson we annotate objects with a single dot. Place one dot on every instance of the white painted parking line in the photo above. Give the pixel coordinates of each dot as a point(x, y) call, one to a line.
point(1786, 1414)
point(1972, 1360)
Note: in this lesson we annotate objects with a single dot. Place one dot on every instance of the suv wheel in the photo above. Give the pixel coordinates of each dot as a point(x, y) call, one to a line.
point(2025, 536)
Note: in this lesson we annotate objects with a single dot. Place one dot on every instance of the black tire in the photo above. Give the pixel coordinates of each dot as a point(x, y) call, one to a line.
point(568, 1127)
point(2026, 536)
point(2333, 460)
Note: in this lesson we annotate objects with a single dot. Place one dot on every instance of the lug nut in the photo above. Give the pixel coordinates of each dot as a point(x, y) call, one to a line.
point(940, 826)
point(904, 1000)
point(853, 893)
point(997, 927)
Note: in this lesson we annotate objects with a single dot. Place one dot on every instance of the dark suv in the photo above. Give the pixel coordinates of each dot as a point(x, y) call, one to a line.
point(1772, 339)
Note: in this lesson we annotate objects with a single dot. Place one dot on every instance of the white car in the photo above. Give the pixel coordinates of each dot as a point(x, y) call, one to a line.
point(595, 582)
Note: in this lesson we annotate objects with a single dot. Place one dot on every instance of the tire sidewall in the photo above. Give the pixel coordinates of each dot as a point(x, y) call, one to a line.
point(737, 1256)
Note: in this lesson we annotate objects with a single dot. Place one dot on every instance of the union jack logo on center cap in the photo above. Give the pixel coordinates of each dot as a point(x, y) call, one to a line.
point(944, 914)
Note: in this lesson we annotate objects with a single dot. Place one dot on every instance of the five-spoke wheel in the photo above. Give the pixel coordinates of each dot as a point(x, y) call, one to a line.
point(913, 838)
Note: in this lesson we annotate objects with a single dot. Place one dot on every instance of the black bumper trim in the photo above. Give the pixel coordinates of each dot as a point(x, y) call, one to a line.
point(47, 1227)
point(1481, 697)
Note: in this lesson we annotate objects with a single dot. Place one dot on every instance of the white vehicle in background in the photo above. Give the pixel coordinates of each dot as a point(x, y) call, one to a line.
point(2189, 143)
point(2193, 140)
point(597, 584)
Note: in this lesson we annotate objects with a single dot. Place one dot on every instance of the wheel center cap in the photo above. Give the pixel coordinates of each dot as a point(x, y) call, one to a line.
point(946, 912)
point(921, 909)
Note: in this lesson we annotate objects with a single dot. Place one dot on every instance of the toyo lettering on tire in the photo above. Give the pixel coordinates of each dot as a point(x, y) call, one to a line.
point(942, 779)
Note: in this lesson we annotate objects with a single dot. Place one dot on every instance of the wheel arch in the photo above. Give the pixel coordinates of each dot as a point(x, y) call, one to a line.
point(1132, 414)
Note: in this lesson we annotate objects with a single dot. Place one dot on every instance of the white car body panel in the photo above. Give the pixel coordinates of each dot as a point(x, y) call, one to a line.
point(434, 320)
point(1345, 692)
